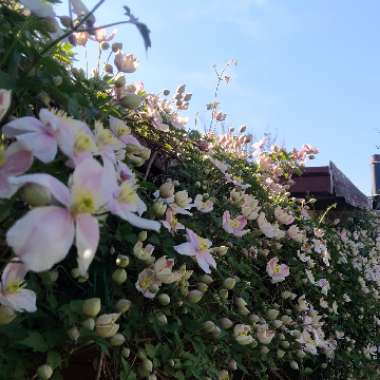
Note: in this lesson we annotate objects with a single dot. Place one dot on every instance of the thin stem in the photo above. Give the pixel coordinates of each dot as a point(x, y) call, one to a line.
point(152, 158)
point(71, 31)
point(104, 26)
point(100, 366)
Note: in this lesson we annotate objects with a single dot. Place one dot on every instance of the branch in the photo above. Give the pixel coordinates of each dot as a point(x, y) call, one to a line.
point(100, 366)
point(152, 158)
point(71, 31)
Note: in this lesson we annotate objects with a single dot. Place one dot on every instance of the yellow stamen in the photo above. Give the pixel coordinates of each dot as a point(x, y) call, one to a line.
point(203, 244)
point(83, 143)
point(83, 202)
point(127, 194)
point(14, 286)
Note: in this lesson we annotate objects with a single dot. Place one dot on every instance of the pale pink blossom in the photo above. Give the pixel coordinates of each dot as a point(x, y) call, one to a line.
point(12, 289)
point(14, 161)
point(125, 202)
point(101, 35)
point(126, 63)
point(42, 137)
point(199, 248)
point(203, 206)
point(234, 226)
point(277, 272)
point(271, 231)
point(171, 223)
point(44, 236)
point(282, 216)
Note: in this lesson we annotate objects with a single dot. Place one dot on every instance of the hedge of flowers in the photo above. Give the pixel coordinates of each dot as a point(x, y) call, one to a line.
point(169, 254)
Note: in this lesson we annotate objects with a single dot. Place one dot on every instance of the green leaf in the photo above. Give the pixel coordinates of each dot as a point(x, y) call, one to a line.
point(54, 359)
point(35, 341)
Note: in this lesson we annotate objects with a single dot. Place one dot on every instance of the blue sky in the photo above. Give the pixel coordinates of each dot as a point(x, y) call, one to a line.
point(308, 71)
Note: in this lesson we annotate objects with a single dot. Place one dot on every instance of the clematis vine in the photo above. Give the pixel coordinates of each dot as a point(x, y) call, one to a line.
point(12, 289)
point(277, 272)
point(44, 236)
point(14, 161)
point(41, 136)
point(199, 248)
point(234, 226)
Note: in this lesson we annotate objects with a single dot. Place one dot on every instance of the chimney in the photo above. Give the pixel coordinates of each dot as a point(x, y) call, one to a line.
point(376, 174)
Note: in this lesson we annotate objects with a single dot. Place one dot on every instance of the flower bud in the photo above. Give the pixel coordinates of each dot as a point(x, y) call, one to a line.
point(122, 261)
point(254, 318)
point(201, 286)
point(152, 377)
point(65, 21)
point(223, 293)
point(294, 365)
point(229, 283)
point(244, 311)
point(147, 365)
point(208, 326)
point(75, 273)
point(7, 315)
point(207, 279)
point(126, 352)
point(216, 332)
point(142, 236)
point(195, 296)
point(104, 45)
point(106, 326)
point(119, 276)
point(232, 365)
point(277, 323)
point(44, 372)
point(264, 350)
point(226, 323)
point(285, 344)
point(120, 81)
point(117, 46)
point(117, 340)
point(108, 68)
point(162, 319)
point(272, 314)
point(73, 333)
point(301, 354)
point(164, 299)
point(89, 324)
point(91, 307)
point(123, 305)
point(280, 353)
point(167, 189)
point(35, 195)
point(240, 302)
point(159, 209)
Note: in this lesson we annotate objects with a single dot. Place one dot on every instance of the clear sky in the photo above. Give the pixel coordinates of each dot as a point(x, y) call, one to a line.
point(308, 70)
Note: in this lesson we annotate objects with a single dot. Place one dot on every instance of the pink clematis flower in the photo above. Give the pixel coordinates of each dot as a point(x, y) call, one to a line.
point(199, 248)
point(277, 272)
point(125, 202)
point(14, 161)
point(12, 291)
point(234, 226)
point(171, 223)
point(44, 236)
point(42, 137)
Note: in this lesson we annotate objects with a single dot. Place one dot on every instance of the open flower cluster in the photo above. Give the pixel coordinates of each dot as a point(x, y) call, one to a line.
point(161, 253)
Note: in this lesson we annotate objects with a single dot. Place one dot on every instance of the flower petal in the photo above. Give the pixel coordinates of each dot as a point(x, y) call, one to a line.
point(13, 271)
point(42, 237)
point(18, 160)
point(23, 125)
point(135, 220)
point(42, 145)
point(59, 191)
point(23, 300)
point(87, 240)
point(185, 249)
